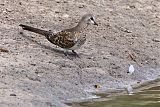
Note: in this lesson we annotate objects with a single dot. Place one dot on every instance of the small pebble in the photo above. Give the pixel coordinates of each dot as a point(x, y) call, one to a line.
point(156, 40)
point(132, 6)
point(13, 95)
point(57, 12)
point(97, 86)
point(20, 3)
point(81, 6)
point(21, 33)
point(2, 4)
point(3, 50)
point(33, 64)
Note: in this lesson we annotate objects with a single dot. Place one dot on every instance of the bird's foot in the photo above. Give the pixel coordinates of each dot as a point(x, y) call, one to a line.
point(75, 53)
point(70, 56)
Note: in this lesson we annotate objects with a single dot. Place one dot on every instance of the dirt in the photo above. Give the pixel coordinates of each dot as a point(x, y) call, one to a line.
point(36, 73)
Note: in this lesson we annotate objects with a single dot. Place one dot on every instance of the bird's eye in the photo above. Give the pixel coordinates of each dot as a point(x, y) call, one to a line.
point(91, 18)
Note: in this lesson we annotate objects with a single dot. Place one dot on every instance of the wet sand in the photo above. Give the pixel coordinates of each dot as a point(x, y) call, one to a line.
point(35, 73)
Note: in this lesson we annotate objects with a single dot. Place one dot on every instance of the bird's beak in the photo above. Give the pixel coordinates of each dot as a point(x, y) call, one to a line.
point(95, 23)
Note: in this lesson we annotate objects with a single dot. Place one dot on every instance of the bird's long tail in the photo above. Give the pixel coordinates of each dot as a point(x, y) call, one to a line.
point(35, 30)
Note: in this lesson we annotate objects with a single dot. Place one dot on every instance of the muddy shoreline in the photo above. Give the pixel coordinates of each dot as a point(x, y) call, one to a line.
point(108, 94)
point(121, 98)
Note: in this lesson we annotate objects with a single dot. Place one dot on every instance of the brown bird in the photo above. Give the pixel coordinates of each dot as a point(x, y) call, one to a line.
point(68, 39)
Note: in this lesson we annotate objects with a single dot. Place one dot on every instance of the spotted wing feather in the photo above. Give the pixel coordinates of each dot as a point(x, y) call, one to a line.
point(63, 39)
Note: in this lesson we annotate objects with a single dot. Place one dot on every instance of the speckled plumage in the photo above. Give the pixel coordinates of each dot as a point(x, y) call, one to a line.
point(69, 39)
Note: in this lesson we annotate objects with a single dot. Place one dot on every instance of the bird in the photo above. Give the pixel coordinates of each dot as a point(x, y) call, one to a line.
point(68, 39)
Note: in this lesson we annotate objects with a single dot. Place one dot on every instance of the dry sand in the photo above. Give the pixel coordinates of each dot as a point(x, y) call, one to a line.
point(35, 73)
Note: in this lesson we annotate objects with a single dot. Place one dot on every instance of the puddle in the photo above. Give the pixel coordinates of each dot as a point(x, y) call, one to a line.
point(146, 95)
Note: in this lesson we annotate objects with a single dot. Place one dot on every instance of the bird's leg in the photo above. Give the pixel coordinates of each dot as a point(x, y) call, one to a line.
point(75, 53)
point(66, 52)
point(67, 55)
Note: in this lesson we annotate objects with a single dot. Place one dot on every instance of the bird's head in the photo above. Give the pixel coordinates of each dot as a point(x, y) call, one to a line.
point(89, 19)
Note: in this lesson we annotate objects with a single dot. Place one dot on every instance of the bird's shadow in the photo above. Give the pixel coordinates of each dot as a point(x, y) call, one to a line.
point(41, 45)
point(46, 47)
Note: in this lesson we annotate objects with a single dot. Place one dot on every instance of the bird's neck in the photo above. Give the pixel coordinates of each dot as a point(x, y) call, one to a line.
point(81, 26)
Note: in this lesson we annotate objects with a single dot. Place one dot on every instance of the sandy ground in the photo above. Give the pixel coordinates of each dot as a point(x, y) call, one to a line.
point(35, 73)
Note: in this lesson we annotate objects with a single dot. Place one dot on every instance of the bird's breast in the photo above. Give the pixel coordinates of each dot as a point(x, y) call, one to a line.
point(79, 42)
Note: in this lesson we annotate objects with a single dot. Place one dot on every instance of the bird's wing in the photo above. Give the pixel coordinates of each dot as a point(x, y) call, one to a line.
point(64, 39)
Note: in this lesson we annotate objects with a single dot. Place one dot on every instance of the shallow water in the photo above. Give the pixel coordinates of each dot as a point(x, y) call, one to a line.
point(146, 97)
